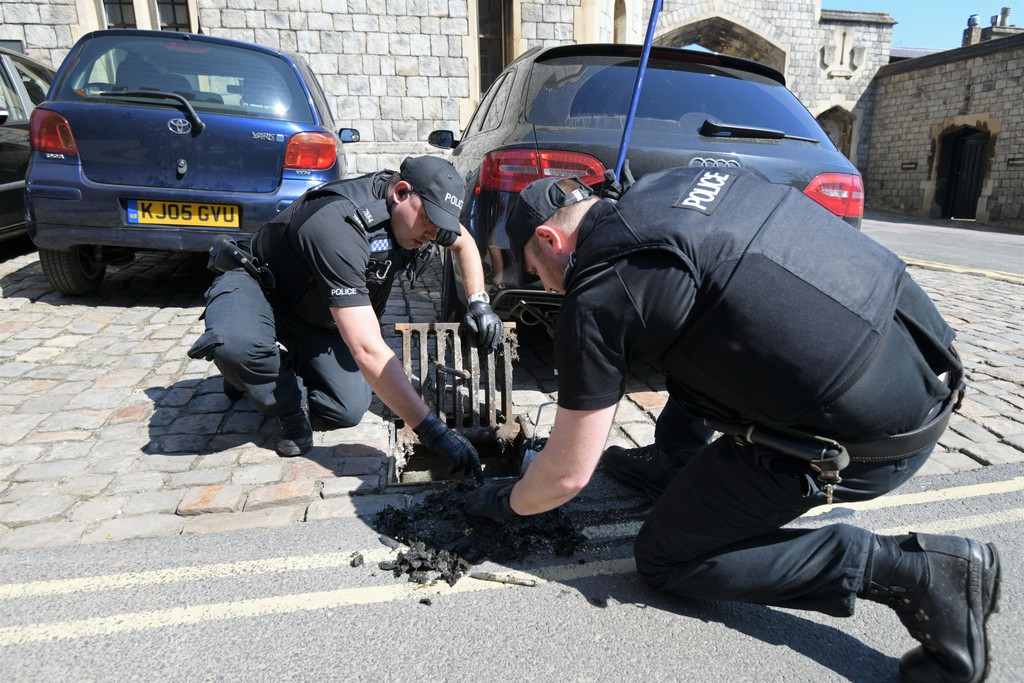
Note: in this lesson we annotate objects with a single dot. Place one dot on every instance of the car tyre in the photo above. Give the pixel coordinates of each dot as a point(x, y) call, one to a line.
point(74, 271)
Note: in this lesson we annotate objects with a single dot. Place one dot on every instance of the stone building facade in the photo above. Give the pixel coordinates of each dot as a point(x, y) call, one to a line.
point(397, 69)
point(947, 134)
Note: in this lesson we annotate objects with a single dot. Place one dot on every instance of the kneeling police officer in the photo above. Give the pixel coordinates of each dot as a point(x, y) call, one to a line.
point(318, 281)
point(827, 369)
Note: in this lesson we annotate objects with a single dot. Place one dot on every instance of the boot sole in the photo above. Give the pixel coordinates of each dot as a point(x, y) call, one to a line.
point(983, 584)
point(990, 590)
point(292, 451)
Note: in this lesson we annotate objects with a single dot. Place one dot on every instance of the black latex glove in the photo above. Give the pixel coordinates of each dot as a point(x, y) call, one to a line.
point(491, 502)
point(435, 435)
point(485, 324)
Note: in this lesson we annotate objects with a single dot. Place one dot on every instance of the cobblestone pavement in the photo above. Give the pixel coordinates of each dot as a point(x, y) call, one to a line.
point(109, 431)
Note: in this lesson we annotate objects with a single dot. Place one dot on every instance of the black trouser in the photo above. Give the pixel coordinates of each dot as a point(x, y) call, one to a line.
point(715, 531)
point(242, 334)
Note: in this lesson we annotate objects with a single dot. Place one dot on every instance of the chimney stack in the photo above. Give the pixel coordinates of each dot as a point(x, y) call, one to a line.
point(972, 34)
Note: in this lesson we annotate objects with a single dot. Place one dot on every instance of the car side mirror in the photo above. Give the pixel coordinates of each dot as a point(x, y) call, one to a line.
point(3, 116)
point(445, 139)
point(348, 135)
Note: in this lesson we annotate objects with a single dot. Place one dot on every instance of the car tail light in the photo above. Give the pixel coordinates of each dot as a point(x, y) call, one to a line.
point(310, 151)
point(51, 133)
point(840, 193)
point(513, 169)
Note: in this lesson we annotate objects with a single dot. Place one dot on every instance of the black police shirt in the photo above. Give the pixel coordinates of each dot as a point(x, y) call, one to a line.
point(628, 312)
point(320, 259)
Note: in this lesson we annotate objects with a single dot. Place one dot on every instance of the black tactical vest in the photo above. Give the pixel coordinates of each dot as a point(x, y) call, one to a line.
point(369, 218)
point(791, 301)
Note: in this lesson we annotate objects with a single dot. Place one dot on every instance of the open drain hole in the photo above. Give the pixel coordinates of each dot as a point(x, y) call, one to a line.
point(423, 466)
point(411, 463)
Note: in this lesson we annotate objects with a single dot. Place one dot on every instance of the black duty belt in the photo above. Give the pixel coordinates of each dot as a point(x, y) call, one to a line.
point(828, 457)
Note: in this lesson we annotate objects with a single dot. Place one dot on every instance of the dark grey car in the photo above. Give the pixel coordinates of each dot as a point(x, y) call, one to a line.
point(561, 112)
point(23, 85)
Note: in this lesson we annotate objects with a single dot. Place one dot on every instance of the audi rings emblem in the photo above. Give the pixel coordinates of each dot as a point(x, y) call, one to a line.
point(179, 126)
point(714, 163)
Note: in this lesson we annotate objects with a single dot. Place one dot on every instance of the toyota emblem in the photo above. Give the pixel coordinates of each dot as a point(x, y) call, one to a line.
point(179, 126)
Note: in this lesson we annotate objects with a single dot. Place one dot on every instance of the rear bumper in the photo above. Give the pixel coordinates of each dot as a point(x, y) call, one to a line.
point(61, 214)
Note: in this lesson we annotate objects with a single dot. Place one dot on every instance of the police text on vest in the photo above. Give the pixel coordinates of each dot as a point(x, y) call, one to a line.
point(705, 191)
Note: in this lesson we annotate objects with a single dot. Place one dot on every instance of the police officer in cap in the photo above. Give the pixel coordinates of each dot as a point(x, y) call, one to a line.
point(826, 368)
point(326, 265)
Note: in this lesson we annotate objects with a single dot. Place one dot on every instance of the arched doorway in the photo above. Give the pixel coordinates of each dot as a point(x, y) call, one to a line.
point(838, 123)
point(723, 36)
point(963, 162)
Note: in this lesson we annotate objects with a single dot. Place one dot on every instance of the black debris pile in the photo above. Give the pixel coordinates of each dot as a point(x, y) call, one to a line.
point(444, 539)
point(419, 561)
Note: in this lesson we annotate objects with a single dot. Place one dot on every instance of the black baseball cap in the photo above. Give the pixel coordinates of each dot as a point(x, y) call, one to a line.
point(536, 203)
point(439, 186)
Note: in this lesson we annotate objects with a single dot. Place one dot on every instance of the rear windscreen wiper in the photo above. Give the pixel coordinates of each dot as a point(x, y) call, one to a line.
point(158, 94)
point(731, 130)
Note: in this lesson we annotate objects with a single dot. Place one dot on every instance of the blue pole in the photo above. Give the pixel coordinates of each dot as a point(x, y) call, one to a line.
point(641, 70)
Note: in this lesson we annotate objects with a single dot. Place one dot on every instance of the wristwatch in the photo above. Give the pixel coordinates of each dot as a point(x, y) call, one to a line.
point(478, 296)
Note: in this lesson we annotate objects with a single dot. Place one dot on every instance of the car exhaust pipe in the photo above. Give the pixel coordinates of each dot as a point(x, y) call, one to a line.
point(531, 315)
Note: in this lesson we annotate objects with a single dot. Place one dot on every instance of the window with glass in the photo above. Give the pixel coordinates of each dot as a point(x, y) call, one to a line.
point(493, 18)
point(174, 15)
point(120, 13)
point(36, 81)
point(212, 78)
point(9, 100)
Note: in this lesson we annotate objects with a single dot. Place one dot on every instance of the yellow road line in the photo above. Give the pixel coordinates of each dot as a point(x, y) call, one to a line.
point(327, 560)
point(954, 493)
point(287, 604)
point(958, 524)
point(996, 274)
point(176, 574)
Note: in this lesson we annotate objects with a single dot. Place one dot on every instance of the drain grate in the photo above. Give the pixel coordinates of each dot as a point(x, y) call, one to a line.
point(471, 390)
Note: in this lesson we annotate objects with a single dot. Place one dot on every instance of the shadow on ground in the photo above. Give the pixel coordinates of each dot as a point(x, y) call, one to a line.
point(152, 279)
point(195, 417)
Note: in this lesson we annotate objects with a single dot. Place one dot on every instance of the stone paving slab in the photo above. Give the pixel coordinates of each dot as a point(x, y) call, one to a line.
point(108, 431)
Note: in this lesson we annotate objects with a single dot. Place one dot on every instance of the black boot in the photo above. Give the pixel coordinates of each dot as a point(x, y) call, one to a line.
point(648, 468)
point(943, 588)
point(294, 435)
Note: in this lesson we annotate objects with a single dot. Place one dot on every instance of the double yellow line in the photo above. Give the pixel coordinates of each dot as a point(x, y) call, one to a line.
point(300, 602)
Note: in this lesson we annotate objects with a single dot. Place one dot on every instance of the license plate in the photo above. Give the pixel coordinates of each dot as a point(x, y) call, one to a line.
point(151, 212)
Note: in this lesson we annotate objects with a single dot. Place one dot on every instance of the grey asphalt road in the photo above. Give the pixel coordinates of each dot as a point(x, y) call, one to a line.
point(955, 243)
point(286, 605)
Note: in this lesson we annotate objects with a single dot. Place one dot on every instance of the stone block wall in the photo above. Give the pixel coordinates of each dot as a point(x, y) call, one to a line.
point(918, 102)
point(394, 70)
point(44, 27)
point(548, 23)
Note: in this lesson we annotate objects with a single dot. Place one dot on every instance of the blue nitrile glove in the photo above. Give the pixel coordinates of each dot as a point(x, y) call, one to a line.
point(435, 435)
point(492, 502)
point(485, 324)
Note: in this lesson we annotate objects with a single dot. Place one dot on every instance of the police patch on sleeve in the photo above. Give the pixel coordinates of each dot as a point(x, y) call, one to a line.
point(705, 192)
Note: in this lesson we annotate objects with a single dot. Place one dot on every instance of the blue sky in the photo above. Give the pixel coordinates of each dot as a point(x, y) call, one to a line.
point(937, 24)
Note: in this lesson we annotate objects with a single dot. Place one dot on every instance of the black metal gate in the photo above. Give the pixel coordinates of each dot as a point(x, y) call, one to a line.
point(966, 174)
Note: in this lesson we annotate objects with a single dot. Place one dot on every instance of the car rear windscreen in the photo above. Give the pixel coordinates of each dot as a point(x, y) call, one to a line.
point(595, 92)
point(213, 78)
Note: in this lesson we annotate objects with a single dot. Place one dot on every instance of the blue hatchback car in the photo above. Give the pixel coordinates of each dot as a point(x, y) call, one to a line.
point(158, 140)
